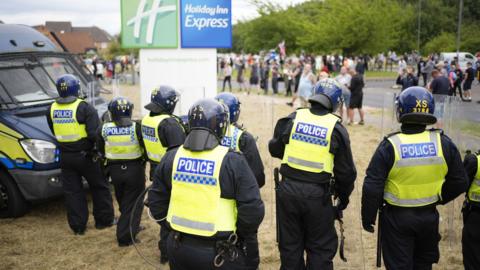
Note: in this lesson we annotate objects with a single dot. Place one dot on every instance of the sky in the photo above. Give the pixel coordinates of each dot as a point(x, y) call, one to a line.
point(102, 13)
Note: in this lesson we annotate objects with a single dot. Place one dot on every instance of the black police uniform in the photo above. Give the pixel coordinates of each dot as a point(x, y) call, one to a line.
point(471, 221)
point(77, 161)
point(238, 183)
point(409, 234)
point(128, 178)
point(305, 213)
point(248, 147)
point(171, 134)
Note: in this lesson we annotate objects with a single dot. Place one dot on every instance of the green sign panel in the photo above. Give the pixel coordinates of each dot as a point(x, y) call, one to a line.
point(149, 23)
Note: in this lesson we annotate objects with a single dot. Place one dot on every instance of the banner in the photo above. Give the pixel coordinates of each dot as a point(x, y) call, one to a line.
point(206, 24)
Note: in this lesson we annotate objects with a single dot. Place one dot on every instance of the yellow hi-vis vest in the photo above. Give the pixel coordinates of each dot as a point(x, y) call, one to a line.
point(195, 204)
point(65, 125)
point(153, 145)
point(309, 145)
point(474, 191)
point(121, 143)
point(232, 138)
point(419, 170)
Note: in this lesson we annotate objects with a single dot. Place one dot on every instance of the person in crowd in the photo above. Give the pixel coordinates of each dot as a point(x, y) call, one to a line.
point(275, 76)
point(457, 78)
point(74, 123)
point(120, 142)
point(467, 84)
point(344, 79)
point(297, 74)
point(288, 78)
point(440, 87)
point(214, 221)
point(407, 79)
point(241, 67)
point(264, 74)
point(360, 67)
point(356, 88)
point(161, 131)
point(309, 163)
point(471, 213)
point(422, 71)
point(411, 172)
point(254, 77)
point(227, 77)
point(307, 82)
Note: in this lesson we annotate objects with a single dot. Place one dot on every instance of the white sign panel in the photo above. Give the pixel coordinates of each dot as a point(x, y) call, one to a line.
point(192, 72)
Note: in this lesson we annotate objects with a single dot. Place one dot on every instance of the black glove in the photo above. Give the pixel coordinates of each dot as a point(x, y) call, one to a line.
point(368, 226)
point(249, 247)
point(342, 203)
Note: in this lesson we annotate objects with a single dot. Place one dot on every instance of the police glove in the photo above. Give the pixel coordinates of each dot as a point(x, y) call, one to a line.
point(368, 226)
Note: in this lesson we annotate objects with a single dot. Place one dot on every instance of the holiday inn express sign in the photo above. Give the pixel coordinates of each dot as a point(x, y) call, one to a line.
point(154, 23)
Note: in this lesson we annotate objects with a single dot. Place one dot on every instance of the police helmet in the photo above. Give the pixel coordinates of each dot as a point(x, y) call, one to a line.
point(121, 110)
point(415, 105)
point(328, 93)
point(163, 99)
point(68, 86)
point(232, 103)
point(211, 115)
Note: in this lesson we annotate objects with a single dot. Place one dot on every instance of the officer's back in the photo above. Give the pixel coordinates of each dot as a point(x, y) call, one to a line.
point(208, 195)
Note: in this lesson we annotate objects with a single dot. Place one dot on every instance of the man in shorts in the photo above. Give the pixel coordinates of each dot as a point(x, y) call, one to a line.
point(356, 99)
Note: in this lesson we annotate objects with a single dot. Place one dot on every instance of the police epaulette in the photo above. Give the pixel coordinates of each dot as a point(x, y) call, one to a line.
point(391, 134)
point(437, 130)
point(241, 127)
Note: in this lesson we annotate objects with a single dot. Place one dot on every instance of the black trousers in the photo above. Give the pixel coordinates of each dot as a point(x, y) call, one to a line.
point(129, 182)
point(471, 239)
point(185, 254)
point(306, 224)
point(457, 85)
point(410, 238)
point(229, 80)
point(164, 231)
point(75, 166)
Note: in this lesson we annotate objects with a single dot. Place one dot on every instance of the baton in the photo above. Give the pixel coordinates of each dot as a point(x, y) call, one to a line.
point(276, 179)
point(379, 240)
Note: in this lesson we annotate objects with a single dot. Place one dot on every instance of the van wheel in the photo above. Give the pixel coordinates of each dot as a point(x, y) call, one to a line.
point(12, 203)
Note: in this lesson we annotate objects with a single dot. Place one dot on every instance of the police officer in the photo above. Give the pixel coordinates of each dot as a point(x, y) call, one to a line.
point(314, 148)
point(240, 140)
point(120, 142)
point(161, 130)
point(471, 214)
point(410, 173)
point(74, 124)
point(208, 196)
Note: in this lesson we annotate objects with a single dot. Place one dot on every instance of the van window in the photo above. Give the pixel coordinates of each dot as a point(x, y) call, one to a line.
point(24, 82)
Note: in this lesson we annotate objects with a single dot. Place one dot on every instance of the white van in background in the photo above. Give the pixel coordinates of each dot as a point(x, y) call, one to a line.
point(465, 57)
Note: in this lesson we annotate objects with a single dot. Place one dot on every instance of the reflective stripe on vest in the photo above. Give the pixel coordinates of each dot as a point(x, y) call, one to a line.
point(65, 125)
point(153, 145)
point(196, 206)
point(418, 172)
point(309, 145)
point(474, 190)
point(121, 143)
point(232, 138)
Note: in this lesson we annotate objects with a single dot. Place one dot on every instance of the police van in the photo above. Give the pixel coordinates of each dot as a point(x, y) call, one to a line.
point(30, 63)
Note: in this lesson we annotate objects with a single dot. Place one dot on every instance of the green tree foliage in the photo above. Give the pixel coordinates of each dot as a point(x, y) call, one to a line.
point(359, 26)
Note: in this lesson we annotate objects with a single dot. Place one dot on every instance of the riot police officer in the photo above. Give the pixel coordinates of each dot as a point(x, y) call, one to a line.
point(74, 123)
point(161, 130)
point(239, 139)
point(209, 197)
point(120, 142)
point(314, 148)
point(410, 173)
point(471, 214)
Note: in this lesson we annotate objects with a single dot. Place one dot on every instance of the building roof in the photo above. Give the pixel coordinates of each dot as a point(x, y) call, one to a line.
point(58, 26)
point(76, 42)
point(97, 34)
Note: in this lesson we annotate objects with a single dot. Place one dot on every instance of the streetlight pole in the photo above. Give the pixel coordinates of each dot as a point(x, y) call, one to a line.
point(459, 27)
point(419, 24)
